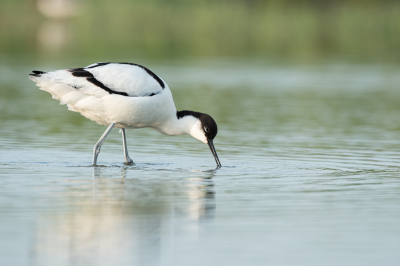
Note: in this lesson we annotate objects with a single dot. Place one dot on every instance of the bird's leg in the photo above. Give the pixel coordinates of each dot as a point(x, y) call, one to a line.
point(96, 149)
point(127, 159)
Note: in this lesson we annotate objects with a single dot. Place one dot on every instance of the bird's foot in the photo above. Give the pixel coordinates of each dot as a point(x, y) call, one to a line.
point(129, 161)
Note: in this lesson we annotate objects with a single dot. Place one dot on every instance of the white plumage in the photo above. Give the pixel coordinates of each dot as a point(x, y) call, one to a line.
point(127, 96)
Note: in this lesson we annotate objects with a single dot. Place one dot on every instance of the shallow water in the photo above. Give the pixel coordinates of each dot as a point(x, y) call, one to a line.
point(310, 174)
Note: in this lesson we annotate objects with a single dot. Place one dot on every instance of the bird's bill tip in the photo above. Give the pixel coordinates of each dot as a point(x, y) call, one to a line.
point(214, 152)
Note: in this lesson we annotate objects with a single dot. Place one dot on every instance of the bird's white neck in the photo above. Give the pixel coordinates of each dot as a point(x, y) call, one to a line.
point(183, 126)
point(175, 126)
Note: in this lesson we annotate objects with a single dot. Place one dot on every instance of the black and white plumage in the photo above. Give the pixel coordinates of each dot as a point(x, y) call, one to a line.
point(126, 96)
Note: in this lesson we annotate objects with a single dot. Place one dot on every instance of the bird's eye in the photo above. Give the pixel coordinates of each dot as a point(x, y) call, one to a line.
point(206, 129)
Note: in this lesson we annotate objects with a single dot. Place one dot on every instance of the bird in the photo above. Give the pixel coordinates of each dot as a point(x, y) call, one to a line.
point(125, 96)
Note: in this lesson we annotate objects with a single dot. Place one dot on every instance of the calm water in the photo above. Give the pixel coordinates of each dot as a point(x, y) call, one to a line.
point(310, 176)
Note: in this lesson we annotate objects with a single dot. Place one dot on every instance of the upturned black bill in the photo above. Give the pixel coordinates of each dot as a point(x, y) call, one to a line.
point(214, 152)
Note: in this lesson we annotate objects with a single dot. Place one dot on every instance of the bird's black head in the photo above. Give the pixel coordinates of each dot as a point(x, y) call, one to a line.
point(209, 126)
point(204, 131)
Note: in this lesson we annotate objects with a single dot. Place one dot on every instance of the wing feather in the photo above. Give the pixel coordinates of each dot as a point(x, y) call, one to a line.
point(132, 79)
point(101, 79)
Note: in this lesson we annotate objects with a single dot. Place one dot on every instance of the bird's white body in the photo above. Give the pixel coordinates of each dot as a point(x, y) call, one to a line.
point(137, 110)
point(127, 96)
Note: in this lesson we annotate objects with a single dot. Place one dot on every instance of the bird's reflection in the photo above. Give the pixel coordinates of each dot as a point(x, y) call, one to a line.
point(125, 219)
point(194, 215)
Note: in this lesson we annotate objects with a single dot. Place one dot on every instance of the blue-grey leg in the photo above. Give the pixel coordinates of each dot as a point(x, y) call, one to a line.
point(97, 147)
point(127, 159)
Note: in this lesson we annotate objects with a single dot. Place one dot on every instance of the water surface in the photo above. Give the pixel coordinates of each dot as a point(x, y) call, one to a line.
point(310, 172)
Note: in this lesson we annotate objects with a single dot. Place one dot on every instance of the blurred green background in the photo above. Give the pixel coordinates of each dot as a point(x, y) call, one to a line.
point(306, 97)
point(300, 30)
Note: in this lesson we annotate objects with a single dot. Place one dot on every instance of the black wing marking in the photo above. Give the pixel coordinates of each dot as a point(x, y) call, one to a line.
point(98, 64)
point(80, 72)
point(36, 73)
point(151, 73)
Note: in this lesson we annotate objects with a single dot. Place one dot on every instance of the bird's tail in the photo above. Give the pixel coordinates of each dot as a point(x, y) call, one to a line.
point(56, 83)
point(37, 73)
point(55, 87)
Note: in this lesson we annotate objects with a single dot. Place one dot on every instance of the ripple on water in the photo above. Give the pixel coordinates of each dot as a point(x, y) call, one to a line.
point(310, 173)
